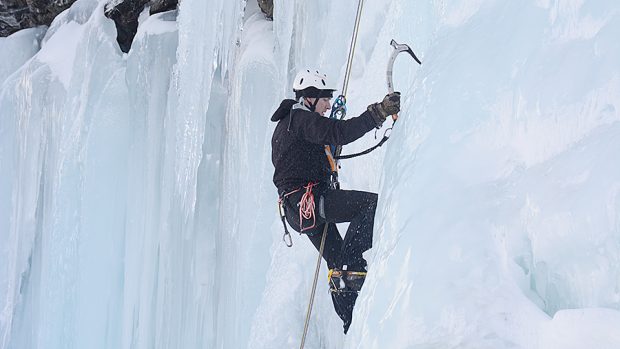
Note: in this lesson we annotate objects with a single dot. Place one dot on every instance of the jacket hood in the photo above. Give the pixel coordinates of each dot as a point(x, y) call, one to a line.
point(283, 110)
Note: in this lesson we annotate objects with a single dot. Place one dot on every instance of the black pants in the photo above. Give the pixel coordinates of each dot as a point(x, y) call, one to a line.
point(339, 206)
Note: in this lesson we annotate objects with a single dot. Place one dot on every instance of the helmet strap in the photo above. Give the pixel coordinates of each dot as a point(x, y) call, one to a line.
point(311, 106)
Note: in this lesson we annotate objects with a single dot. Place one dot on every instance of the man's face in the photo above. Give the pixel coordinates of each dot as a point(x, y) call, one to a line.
point(322, 106)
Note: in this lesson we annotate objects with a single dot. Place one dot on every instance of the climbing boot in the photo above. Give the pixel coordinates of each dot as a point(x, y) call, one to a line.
point(345, 280)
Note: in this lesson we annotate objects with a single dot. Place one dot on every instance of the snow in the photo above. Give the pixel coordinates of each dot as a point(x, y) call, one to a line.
point(16, 49)
point(58, 53)
point(567, 329)
point(137, 209)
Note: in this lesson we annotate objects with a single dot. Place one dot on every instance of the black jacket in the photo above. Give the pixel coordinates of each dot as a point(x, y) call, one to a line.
point(297, 145)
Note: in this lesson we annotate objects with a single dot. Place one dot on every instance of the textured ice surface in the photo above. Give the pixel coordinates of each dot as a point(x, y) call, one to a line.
point(137, 209)
point(16, 49)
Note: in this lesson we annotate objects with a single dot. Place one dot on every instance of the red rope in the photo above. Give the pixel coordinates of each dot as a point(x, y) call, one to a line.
point(306, 208)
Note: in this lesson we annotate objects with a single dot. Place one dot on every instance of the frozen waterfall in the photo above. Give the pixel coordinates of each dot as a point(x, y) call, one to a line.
point(137, 208)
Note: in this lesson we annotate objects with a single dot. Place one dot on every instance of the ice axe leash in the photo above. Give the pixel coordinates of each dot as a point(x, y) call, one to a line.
point(398, 48)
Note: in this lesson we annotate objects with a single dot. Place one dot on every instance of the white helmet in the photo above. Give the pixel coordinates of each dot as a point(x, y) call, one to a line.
point(307, 78)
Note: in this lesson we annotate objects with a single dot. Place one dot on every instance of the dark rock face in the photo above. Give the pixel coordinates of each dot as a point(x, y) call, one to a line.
point(20, 14)
point(158, 6)
point(125, 16)
point(267, 7)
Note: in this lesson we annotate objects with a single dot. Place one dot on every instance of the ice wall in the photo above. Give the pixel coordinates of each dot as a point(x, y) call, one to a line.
point(61, 145)
point(498, 224)
point(136, 204)
point(113, 168)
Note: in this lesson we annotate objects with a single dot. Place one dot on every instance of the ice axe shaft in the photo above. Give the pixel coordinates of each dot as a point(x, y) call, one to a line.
point(398, 48)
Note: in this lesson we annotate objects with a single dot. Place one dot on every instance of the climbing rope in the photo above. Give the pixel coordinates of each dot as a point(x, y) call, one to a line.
point(345, 85)
point(347, 74)
point(316, 278)
point(339, 111)
point(306, 208)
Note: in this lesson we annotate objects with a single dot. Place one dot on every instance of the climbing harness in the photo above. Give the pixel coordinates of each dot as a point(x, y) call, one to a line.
point(306, 211)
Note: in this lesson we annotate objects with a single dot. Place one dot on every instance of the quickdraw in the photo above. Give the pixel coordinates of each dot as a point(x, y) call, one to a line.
point(339, 111)
point(288, 240)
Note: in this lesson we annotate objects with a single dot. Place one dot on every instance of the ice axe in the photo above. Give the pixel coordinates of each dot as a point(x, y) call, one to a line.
point(398, 48)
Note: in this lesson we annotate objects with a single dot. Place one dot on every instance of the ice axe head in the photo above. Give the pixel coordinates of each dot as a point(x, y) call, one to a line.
point(398, 48)
point(404, 48)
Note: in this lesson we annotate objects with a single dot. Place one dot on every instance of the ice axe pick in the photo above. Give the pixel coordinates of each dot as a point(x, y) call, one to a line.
point(398, 48)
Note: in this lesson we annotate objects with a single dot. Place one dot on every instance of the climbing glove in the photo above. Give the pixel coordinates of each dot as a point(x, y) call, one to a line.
point(389, 106)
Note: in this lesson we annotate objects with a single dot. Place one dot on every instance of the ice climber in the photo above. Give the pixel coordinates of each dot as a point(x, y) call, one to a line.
point(302, 176)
